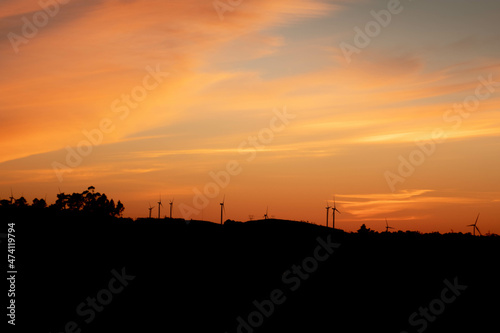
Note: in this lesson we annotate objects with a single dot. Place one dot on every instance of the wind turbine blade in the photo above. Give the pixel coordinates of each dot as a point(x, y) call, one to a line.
point(477, 219)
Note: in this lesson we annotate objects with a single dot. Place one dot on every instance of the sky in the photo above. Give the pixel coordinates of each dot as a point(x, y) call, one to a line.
point(390, 106)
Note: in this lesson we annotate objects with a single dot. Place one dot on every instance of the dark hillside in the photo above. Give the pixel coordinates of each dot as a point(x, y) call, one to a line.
point(201, 276)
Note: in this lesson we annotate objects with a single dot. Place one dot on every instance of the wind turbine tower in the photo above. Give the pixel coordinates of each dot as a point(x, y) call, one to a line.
point(387, 226)
point(150, 209)
point(474, 227)
point(222, 209)
point(159, 206)
point(171, 203)
point(266, 216)
point(334, 209)
point(327, 212)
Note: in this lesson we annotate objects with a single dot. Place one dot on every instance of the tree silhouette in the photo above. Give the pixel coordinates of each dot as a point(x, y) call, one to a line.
point(364, 230)
point(119, 209)
point(21, 202)
point(61, 202)
point(88, 202)
point(39, 203)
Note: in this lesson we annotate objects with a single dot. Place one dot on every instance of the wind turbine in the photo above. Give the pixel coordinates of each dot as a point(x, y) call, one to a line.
point(171, 203)
point(222, 209)
point(387, 226)
point(159, 206)
point(327, 212)
point(266, 216)
point(474, 227)
point(150, 209)
point(334, 209)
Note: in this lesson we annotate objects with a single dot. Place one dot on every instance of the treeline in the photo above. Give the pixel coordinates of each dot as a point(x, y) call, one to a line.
point(408, 234)
point(89, 202)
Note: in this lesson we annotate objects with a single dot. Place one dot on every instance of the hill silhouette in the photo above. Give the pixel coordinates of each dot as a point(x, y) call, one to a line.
point(259, 276)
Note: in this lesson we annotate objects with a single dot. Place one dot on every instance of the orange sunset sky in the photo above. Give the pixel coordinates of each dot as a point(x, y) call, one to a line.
point(170, 92)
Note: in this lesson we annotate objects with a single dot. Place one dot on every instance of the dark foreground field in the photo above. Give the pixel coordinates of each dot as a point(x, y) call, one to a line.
point(260, 276)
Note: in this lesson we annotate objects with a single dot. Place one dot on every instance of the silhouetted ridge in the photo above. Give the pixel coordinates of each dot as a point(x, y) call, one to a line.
point(203, 276)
